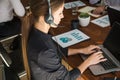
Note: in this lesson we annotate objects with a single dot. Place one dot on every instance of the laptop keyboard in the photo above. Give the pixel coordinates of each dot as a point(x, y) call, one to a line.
point(108, 64)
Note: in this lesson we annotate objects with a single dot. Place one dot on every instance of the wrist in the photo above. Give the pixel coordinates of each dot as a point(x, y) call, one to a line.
point(82, 50)
point(78, 51)
point(105, 8)
point(87, 62)
point(83, 66)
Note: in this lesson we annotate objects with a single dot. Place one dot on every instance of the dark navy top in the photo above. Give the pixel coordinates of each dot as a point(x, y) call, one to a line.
point(45, 56)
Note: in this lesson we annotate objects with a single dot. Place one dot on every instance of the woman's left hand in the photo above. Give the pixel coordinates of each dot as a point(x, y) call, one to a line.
point(90, 49)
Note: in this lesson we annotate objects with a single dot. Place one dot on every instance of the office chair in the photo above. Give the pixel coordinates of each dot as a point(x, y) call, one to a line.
point(11, 55)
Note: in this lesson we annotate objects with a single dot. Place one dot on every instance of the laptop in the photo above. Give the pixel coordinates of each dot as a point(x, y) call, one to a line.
point(114, 15)
point(111, 50)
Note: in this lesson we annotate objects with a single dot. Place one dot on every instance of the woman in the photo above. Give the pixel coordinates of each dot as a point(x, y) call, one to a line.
point(44, 56)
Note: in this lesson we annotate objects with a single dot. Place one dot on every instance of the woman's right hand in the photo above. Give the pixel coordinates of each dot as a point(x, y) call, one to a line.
point(99, 10)
point(95, 58)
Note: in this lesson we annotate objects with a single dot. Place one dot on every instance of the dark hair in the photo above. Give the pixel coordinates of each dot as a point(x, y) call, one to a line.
point(37, 8)
point(40, 8)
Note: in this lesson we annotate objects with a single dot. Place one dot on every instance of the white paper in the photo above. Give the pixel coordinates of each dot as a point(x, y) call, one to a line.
point(69, 38)
point(70, 5)
point(102, 21)
point(94, 15)
point(88, 10)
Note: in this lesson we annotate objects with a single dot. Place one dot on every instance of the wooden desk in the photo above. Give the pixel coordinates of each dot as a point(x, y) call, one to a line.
point(97, 35)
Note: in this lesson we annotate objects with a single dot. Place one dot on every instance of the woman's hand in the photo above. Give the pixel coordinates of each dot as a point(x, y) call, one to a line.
point(95, 58)
point(99, 10)
point(90, 49)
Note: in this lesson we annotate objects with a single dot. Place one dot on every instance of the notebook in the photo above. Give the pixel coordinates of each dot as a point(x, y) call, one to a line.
point(113, 14)
point(110, 48)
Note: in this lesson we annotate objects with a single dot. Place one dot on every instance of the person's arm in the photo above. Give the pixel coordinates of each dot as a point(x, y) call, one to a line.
point(47, 66)
point(18, 7)
point(95, 58)
point(100, 10)
point(86, 50)
point(103, 8)
point(113, 4)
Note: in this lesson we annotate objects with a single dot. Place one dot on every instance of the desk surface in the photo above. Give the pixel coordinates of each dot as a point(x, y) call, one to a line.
point(97, 34)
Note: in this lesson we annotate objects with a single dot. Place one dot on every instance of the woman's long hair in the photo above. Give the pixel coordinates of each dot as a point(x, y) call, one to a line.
point(25, 32)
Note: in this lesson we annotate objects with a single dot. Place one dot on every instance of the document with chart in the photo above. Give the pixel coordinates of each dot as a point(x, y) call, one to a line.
point(102, 21)
point(70, 5)
point(71, 37)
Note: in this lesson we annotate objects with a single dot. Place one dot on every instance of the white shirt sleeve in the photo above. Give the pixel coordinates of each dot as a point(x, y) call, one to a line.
point(106, 2)
point(18, 7)
point(112, 2)
point(93, 1)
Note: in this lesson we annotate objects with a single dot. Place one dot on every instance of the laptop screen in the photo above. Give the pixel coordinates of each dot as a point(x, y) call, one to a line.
point(112, 41)
point(114, 15)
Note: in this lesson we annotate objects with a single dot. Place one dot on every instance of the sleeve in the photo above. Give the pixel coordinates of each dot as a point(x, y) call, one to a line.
point(18, 7)
point(113, 4)
point(63, 51)
point(93, 1)
point(49, 67)
point(107, 2)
